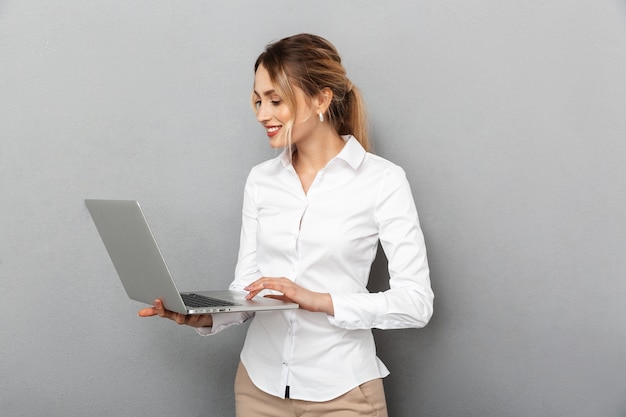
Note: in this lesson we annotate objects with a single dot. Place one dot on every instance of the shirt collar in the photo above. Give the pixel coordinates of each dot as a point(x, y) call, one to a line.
point(353, 153)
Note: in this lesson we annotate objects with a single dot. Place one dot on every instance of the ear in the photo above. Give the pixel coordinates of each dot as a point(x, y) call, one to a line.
point(323, 99)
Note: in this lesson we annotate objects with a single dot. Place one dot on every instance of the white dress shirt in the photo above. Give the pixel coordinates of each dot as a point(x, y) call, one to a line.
point(325, 241)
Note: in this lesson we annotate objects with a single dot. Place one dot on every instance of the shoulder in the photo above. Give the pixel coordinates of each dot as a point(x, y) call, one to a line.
point(266, 174)
point(384, 167)
point(267, 168)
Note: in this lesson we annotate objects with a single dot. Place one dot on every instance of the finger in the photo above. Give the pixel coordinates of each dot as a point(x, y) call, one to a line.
point(155, 310)
point(148, 312)
point(255, 288)
point(265, 286)
point(256, 285)
point(160, 309)
point(283, 287)
point(275, 284)
point(279, 297)
point(252, 294)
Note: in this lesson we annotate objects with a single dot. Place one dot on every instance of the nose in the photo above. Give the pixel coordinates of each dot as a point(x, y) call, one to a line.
point(262, 115)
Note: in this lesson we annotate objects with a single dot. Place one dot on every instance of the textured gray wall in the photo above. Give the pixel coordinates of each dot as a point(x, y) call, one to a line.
point(509, 117)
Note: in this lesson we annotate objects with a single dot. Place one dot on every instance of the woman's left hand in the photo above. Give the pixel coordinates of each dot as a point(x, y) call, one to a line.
point(292, 292)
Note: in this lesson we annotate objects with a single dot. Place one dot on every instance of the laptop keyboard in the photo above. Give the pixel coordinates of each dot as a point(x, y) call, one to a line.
point(197, 300)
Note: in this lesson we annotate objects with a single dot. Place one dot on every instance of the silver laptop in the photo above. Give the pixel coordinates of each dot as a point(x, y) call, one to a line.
point(142, 269)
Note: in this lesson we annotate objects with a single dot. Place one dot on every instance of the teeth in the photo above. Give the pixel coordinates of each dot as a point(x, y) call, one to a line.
point(273, 129)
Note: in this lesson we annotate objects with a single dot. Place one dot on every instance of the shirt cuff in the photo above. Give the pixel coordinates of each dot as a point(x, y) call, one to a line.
point(223, 321)
point(357, 311)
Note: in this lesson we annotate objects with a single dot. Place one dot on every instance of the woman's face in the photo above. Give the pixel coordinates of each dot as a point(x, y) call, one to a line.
point(274, 114)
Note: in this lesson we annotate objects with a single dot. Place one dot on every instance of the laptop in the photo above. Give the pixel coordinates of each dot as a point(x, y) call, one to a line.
point(142, 269)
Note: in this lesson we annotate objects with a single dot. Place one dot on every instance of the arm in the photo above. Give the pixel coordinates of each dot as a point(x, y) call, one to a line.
point(316, 302)
point(207, 324)
point(409, 301)
point(246, 269)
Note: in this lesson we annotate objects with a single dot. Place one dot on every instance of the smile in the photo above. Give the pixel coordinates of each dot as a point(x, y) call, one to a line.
point(272, 130)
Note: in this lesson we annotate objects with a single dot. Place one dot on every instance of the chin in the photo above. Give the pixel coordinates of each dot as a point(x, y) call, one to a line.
point(277, 144)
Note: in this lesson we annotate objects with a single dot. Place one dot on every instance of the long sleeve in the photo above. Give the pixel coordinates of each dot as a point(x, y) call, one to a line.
point(409, 301)
point(247, 269)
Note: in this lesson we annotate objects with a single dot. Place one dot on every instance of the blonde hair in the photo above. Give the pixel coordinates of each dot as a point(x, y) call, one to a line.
point(312, 63)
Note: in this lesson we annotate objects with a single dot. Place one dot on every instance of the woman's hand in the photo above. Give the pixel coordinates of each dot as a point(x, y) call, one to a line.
point(292, 292)
point(193, 320)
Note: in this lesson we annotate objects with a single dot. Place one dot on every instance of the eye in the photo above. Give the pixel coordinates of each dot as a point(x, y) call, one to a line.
point(276, 102)
point(257, 104)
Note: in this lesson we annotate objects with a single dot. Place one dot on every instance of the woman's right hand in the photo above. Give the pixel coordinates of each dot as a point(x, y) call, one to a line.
point(193, 320)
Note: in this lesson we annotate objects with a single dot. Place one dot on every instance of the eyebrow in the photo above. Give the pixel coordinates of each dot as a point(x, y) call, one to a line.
point(267, 93)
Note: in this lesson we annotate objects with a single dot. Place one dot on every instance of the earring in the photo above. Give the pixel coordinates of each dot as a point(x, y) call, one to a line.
point(321, 116)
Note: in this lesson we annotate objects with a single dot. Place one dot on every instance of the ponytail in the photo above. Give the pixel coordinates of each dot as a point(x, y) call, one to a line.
point(356, 120)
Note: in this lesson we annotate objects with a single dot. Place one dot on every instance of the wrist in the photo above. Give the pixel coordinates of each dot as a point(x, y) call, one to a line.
point(327, 304)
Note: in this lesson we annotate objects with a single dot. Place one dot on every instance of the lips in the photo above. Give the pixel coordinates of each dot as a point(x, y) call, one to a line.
point(272, 130)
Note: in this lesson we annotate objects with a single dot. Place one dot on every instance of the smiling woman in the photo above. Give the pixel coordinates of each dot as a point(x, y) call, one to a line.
point(312, 220)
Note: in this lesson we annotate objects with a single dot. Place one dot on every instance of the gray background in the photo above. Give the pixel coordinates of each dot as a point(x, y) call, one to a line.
point(509, 118)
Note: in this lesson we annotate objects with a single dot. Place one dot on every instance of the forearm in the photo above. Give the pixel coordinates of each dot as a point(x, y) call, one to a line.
point(394, 309)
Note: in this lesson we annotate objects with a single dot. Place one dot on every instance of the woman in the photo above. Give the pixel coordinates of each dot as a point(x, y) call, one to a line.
point(312, 219)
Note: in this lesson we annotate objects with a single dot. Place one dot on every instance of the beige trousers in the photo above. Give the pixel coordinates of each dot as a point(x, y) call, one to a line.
point(366, 400)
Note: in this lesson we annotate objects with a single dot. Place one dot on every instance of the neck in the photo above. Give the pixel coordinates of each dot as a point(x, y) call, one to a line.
point(312, 156)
